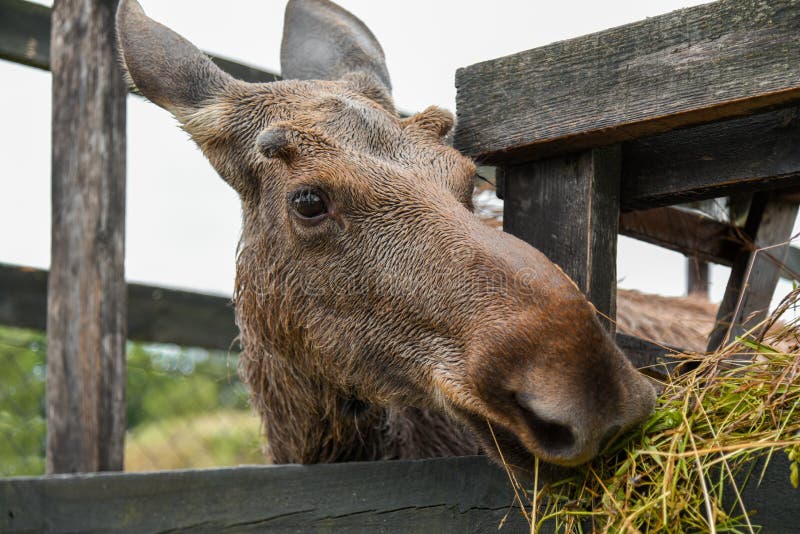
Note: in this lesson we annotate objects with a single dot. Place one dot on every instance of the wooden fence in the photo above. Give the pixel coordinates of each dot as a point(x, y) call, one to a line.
point(696, 104)
point(439, 495)
point(623, 124)
point(457, 495)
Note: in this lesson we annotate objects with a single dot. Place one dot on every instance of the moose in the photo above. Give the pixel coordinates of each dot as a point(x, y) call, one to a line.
point(379, 317)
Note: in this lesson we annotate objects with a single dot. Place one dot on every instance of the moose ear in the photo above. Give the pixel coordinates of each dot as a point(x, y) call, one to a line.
point(165, 67)
point(322, 41)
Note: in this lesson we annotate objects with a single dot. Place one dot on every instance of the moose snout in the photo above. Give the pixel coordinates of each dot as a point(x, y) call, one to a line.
point(561, 440)
point(553, 435)
point(564, 434)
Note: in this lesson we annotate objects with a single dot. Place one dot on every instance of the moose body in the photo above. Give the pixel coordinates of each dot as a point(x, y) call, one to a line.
point(379, 317)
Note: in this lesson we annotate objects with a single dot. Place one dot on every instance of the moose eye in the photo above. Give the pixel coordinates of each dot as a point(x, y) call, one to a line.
point(309, 204)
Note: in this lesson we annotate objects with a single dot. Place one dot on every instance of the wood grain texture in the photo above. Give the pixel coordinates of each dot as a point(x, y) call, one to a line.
point(442, 495)
point(723, 59)
point(756, 269)
point(754, 153)
point(25, 39)
point(86, 294)
point(457, 495)
point(568, 208)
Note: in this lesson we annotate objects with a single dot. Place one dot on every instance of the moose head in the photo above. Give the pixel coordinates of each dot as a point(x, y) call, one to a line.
point(363, 277)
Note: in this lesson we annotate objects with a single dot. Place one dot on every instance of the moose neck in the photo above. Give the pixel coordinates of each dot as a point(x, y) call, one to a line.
point(308, 420)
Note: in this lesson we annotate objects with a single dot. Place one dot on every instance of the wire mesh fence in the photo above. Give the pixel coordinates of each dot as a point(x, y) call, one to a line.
point(186, 407)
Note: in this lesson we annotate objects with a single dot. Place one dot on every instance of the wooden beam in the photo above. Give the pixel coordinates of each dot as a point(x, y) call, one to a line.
point(697, 277)
point(579, 196)
point(689, 233)
point(718, 60)
point(745, 154)
point(791, 269)
point(440, 495)
point(25, 33)
point(459, 495)
point(755, 270)
point(697, 236)
point(86, 295)
point(191, 319)
point(754, 153)
point(155, 314)
point(25, 39)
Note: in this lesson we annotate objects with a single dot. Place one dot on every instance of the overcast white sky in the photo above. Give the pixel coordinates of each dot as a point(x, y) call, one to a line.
point(183, 222)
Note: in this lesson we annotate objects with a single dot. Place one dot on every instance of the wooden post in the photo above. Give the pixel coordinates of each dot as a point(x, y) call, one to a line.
point(568, 208)
point(697, 277)
point(86, 291)
point(756, 269)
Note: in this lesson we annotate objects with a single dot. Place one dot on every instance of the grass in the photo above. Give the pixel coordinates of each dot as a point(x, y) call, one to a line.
point(680, 471)
point(220, 438)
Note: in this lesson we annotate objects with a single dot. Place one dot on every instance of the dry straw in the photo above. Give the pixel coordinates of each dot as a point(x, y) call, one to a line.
point(682, 470)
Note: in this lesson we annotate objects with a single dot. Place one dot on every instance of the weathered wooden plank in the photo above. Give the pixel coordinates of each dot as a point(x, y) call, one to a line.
point(25, 38)
point(695, 65)
point(756, 269)
point(568, 208)
point(759, 152)
point(23, 297)
point(86, 294)
point(170, 316)
point(791, 269)
point(25, 33)
point(689, 233)
point(697, 236)
point(155, 314)
point(439, 495)
point(697, 277)
point(442, 495)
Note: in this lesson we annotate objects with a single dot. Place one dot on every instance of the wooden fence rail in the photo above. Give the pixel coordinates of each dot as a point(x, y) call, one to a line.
point(447, 495)
point(155, 314)
point(25, 38)
point(444, 495)
point(692, 66)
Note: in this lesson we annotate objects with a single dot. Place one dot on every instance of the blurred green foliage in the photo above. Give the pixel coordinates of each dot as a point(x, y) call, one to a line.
point(166, 384)
point(22, 421)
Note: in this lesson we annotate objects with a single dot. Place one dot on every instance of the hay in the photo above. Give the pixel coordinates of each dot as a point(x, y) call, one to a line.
point(676, 473)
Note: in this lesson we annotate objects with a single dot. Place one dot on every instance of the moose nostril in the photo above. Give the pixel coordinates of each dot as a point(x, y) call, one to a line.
point(550, 434)
point(610, 434)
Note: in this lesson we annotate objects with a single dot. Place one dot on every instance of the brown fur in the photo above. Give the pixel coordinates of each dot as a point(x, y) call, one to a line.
point(396, 325)
point(681, 322)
